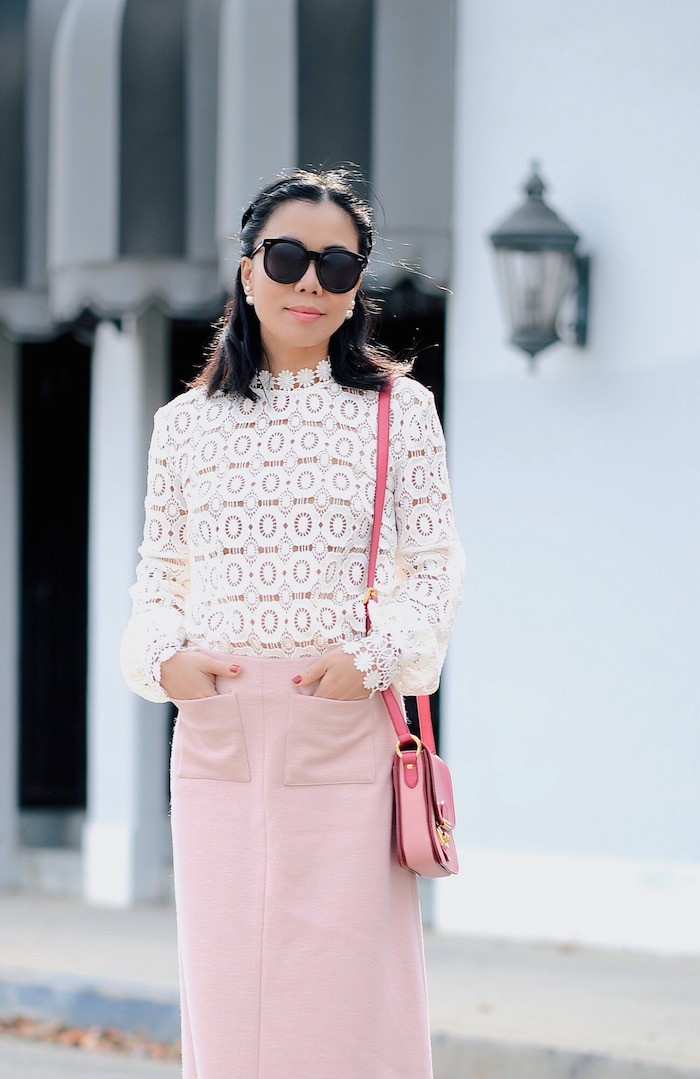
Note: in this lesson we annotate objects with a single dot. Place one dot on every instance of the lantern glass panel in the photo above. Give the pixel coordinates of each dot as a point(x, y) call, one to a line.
point(533, 284)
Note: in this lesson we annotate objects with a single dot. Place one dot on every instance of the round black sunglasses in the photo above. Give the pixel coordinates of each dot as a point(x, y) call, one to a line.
point(286, 262)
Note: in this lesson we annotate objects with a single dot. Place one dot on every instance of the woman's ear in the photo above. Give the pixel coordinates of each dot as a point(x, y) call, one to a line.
point(246, 270)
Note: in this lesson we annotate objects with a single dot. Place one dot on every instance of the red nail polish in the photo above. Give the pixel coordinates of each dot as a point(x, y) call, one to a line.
point(234, 667)
point(296, 680)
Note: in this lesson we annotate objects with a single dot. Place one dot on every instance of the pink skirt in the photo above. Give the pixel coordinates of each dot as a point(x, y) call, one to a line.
point(299, 935)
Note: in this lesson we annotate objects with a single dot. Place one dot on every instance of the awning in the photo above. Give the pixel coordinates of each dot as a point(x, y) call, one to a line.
point(132, 158)
point(27, 31)
point(257, 111)
point(412, 141)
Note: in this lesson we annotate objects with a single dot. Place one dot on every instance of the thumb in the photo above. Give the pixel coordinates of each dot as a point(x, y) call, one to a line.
point(311, 674)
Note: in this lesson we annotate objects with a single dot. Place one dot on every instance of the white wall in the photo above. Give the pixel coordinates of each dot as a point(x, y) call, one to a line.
point(573, 691)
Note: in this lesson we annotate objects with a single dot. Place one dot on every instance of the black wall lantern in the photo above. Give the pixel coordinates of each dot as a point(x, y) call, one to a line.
point(540, 272)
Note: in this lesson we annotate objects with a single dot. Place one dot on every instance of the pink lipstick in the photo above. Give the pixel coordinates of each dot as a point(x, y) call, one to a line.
point(304, 314)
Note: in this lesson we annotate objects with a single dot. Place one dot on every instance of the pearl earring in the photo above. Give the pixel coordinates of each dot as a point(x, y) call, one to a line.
point(351, 308)
point(249, 296)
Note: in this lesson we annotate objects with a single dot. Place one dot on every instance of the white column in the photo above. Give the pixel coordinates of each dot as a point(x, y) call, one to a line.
point(126, 835)
point(9, 624)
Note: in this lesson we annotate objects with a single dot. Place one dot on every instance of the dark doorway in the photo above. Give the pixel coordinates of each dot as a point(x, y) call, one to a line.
point(412, 324)
point(55, 389)
point(190, 342)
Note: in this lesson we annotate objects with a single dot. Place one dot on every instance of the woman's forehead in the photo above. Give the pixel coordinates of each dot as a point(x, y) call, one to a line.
point(315, 224)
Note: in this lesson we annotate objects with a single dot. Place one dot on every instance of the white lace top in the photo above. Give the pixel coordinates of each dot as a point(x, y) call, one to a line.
point(257, 531)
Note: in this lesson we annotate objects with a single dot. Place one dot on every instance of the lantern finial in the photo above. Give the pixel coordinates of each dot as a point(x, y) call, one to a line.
point(535, 186)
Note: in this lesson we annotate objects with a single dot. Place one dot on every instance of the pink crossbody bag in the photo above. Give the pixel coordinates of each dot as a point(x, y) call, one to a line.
point(423, 798)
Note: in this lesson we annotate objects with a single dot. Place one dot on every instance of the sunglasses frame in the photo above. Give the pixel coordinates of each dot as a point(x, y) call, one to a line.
point(311, 256)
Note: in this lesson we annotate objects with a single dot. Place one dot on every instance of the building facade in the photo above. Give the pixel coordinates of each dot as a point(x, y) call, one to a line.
point(134, 133)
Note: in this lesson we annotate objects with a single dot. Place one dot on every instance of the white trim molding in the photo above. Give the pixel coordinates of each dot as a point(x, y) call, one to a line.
point(609, 902)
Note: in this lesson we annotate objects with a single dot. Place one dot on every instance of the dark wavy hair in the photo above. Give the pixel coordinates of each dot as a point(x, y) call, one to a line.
point(356, 359)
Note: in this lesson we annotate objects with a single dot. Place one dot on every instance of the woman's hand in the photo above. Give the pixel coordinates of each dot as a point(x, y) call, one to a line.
point(189, 676)
point(337, 676)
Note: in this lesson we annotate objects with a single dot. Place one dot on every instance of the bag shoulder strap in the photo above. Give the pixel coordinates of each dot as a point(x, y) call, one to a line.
point(383, 419)
point(395, 712)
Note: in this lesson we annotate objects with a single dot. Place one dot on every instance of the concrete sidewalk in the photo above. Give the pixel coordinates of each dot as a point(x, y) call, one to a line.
point(27, 1060)
point(504, 1010)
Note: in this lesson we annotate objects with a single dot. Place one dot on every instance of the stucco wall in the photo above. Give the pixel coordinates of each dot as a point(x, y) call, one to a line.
point(572, 692)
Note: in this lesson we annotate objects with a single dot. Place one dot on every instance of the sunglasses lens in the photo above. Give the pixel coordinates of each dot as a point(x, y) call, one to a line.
point(286, 262)
point(338, 271)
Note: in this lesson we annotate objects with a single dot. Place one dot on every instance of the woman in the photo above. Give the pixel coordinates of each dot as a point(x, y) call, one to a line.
point(299, 935)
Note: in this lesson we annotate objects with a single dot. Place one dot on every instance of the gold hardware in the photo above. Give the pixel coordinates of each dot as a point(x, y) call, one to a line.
point(443, 836)
point(443, 830)
point(419, 745)
point(371, 593)
point(410, 767)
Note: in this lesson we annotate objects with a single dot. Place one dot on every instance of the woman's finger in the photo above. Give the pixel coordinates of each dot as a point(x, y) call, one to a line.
point(223, 668)
point(189, 675)
point(338, 678)
point(311, 674)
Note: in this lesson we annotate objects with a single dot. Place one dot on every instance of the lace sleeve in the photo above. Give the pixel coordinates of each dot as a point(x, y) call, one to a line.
point(411, 626)
point(155, 630)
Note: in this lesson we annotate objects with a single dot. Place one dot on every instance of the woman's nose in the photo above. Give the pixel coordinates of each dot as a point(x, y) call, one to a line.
point(309, 282)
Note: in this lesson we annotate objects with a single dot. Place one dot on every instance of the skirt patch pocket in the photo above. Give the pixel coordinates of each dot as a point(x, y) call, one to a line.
point(209, 742)
point(329, 742)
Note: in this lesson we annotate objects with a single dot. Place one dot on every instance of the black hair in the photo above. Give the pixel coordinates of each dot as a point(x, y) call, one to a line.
point(356, 359)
